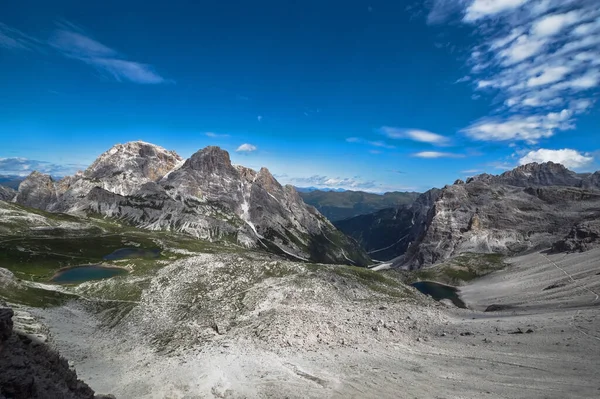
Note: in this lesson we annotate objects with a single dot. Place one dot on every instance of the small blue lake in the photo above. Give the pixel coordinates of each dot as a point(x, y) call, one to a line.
point(79, 274)
point(133, 253)
point(440, 291)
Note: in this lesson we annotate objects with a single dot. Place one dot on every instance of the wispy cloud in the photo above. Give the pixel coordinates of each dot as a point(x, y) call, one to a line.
point(422, 136)
point(80, 46)
point(72, 42)
point(374, 143)
point(437, 154)
point(259, 118)
point(479, 9)
point(14, 39)
point(346, 183)
point(333, 182)
point(24, 166)
point(572, 159)
point(540, 58)
point(471, 171)
point(518, 127)
point(246, 148)
point(216, 135)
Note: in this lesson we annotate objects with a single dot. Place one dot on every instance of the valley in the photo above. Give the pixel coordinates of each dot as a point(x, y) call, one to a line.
point(148, 297)
point(300, 199)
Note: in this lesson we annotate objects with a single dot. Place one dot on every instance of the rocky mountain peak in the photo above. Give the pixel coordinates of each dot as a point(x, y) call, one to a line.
point(36, 191)
point(249, 175)
point(205, 196)
point(267, 181)
point(539, 174)
point(143, 160)
point(211, 159)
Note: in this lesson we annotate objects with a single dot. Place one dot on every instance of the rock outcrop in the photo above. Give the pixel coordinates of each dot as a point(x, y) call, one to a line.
point(582, 237)
point(7, 193)
point(204, 196)
point(527, 208)
point(29, 369)
point(37, 191)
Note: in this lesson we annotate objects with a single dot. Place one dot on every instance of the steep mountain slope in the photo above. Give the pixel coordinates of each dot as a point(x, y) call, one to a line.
point(7, 193)
point(337, 206)
point(387, 233)
point(529, 207)
point(204, 196)
point(11, 181)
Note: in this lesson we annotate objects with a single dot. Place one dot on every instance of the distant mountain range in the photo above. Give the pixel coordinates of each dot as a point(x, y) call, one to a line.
point(337, 206)
point(11, 181)
point(310, 189)
point(205, 196)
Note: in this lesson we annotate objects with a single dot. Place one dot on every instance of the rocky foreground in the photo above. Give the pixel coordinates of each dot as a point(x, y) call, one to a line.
point(284, 329)
point(29, 369)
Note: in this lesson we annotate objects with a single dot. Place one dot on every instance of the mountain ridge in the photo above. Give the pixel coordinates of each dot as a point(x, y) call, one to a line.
point(527, 208)
point(204, 196)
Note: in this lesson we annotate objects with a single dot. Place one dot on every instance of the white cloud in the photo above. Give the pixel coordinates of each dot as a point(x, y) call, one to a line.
point(526, 128)
point(571, 159)
point(122, 70)
point(587, 81)
point(442, 10)
point(553, 24)
point(346, 183)
point(24, 166)
point(71, 42)
point(380, 144)
point(414, 134)
point(437, 154)
point(538, 59)
point(246, 148)
point(550, 75)
point(216, 135)
point(14, 39)
point(479, 9)
point(79, 45)
point(521, 49)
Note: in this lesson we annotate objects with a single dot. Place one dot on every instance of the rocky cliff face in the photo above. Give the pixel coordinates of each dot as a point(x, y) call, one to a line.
point(534, 174)
point(31, 370)
point(7, 193)
point(529, 207)
point(582, 237)
point(204, 196)
point(386, 234)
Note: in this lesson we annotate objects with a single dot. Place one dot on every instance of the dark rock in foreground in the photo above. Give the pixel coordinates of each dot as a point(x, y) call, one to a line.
point(31, 370)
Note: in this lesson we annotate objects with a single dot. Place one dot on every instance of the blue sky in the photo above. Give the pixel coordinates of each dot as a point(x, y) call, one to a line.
point(371, 95)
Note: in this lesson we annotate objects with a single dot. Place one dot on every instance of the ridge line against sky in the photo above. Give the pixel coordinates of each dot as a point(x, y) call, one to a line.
point(336, 96)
